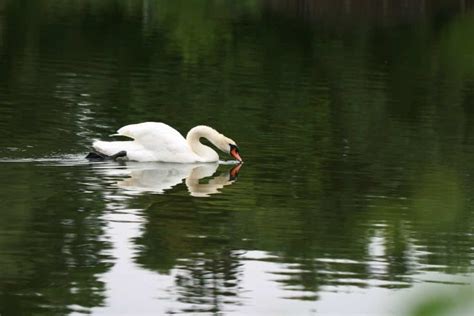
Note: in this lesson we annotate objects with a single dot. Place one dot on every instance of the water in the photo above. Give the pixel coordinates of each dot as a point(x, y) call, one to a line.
point(355, 122)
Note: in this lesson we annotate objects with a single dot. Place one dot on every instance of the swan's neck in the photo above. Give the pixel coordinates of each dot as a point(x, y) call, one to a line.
point(205, 153)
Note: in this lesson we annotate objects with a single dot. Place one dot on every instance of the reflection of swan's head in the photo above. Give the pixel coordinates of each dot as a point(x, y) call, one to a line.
point(160, 177)
point(196, 188)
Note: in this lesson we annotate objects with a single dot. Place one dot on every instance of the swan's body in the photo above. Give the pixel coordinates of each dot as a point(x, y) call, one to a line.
point(154, 141)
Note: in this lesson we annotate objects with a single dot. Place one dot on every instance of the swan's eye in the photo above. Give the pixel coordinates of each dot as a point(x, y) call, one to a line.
point(234, 152)
point(233, 147)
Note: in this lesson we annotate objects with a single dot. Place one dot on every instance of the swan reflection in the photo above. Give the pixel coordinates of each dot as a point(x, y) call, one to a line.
point(160, 177)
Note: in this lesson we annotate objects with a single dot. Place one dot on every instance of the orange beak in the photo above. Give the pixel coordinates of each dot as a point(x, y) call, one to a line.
point(234, 153)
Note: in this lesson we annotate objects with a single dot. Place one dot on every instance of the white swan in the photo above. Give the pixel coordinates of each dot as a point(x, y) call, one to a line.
point(154, 141)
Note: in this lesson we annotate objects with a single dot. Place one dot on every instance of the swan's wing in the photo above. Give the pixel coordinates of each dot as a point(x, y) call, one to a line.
point(142, 130)
point(161, 139)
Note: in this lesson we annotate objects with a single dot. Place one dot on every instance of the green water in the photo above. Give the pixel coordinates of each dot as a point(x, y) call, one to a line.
point(355, 121)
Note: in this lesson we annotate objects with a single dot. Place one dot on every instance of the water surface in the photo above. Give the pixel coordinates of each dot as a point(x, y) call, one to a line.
point(355, 121)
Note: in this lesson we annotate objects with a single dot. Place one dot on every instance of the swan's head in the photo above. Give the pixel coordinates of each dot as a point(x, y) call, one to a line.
point(227, 145)
point(222, 142)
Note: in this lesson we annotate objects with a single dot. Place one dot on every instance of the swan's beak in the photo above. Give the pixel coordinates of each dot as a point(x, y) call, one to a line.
point(234, 152)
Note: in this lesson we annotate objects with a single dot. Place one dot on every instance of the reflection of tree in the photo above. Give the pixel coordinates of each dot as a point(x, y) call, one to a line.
point(210, 281)
point(52, 254)
point(199, 241)
point(364, 11)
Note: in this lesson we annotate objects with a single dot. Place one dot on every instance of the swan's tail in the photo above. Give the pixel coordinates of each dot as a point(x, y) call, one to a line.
point(109, 150)
point(96, 156)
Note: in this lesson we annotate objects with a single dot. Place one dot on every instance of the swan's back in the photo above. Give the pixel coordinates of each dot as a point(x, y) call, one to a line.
point(155, 136)
point(155, 129)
